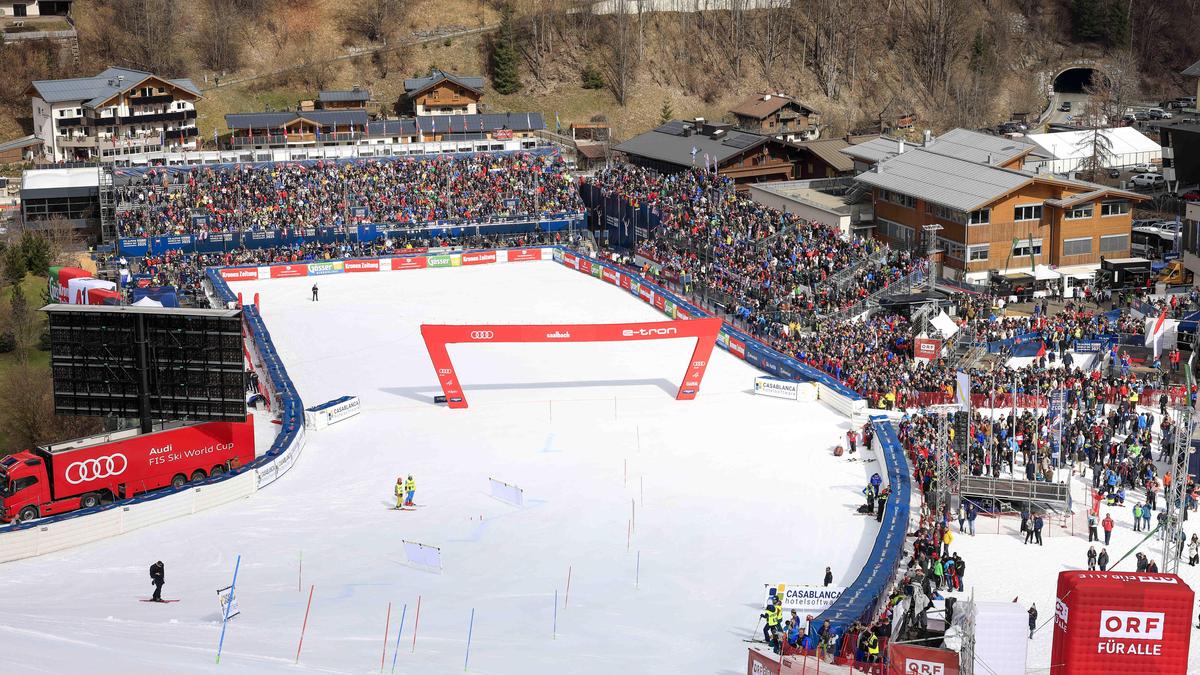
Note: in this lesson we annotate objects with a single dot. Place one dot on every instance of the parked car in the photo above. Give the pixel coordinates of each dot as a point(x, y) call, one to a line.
point(1141, 115)
point(1148, 180)
point(1145, 167)
point(1065, 107)
point(1114, 173)
point(1129, 117)
point(1159, 114)
point(1192, 196)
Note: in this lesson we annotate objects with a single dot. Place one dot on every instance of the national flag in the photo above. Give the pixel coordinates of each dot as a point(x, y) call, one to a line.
point(1160, 330)
point(557, 124)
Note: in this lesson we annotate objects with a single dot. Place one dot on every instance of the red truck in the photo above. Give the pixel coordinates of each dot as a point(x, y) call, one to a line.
point(86, 472)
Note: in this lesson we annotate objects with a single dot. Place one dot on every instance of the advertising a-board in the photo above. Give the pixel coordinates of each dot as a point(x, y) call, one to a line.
point(918, 660)
point(329, 267)
point(239, 273)
point(523, 254)
point(352, 266)
point(777, 388)
point(287, 271)
point(803, 598)
point(479, 258)
point(412, 263)
point(927, 348)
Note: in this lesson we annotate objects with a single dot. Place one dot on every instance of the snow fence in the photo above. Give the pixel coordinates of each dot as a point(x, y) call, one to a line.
point(862, 598)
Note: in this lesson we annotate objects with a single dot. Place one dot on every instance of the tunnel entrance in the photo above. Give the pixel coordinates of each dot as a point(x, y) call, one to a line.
point(1073, 80)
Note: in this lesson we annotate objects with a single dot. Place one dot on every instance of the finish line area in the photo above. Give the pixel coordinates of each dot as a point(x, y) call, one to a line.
point(668, 516)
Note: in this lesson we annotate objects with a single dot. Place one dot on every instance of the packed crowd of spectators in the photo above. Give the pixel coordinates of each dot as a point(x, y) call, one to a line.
point(287, 196)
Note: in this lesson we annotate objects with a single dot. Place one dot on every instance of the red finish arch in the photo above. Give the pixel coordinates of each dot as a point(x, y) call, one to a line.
point(438, 336)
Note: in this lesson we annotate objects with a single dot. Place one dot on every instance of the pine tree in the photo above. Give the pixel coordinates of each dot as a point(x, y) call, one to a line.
point(666, 114)
point(1116, 23)
point(506, 76)
point(592, 79)
point(1086, 19)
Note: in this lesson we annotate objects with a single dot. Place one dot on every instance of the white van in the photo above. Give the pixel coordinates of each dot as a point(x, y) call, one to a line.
point(1150, 180)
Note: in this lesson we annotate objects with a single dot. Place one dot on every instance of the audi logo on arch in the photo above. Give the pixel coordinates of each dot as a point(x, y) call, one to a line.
point(482, 335)
point(95, 469)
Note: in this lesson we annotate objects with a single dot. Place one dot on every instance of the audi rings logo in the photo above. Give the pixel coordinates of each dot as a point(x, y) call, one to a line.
point(482, 335)
point(95, 469)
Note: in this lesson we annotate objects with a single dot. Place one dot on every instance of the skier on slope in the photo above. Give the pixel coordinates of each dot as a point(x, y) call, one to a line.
point(158, 578)
point(410, 489)
point(399, 491)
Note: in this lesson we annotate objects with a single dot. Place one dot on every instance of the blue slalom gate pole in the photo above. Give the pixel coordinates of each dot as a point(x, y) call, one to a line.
point(398, 633)
point(470, 629)
point(555, 633)
point(225, 620)
point(637, 575)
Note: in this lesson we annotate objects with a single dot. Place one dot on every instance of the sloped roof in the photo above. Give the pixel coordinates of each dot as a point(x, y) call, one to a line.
point(457, 124)
point(273, 120)
point(25, 142)
point(760, 106)
point(828, 151)
point(963, 185)
point(417, 85)
point(980, 148)
point(668, 144)
point(873, 150)
point(1193, 70)
point(95, 90)
point(344, 96)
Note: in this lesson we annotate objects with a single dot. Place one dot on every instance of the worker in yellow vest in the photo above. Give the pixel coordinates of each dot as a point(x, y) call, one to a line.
point(410, 489)
point(871, 642)
point(399, 492)
point(774, 618)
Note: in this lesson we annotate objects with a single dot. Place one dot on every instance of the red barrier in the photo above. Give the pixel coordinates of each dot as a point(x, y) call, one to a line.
point(438, 336)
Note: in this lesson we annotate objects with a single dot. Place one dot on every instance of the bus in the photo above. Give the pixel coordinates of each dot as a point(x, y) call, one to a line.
point(1155, 243)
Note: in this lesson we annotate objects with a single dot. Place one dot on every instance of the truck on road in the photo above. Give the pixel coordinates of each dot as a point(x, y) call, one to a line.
point(88, 472)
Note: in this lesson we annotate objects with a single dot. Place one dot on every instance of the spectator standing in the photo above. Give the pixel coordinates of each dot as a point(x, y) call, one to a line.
point(1108, 528)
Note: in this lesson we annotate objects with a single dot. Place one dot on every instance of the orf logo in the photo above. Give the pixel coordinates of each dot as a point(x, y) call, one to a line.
point(919, 667)
point(482, 335)
point(928, 347)
point(95, 469)
point(1131, 625)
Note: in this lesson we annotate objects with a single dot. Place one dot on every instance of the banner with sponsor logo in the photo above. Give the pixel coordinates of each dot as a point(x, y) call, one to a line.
point(777, 388)
point(1089, 346)
point(479, 258)
point(522, 254)
point(286, 271)
point(438, 261)
point(1121, 622)
point(351, 266)
point(332, 412)
point(737, 348)
point(611, 276)
point(327, 267)
point(803, 598)
point(584, 265)
point(907, 659)
point(927, 348)
point(410, 263)
point(224, 596)
point(506, 492)
point(239, 273)
point(438, 336)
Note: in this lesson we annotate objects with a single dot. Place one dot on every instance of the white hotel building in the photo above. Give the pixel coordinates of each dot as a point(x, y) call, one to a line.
point(117, 113)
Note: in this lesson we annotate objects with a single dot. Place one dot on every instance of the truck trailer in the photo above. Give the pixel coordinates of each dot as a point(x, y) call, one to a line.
point(88, 472)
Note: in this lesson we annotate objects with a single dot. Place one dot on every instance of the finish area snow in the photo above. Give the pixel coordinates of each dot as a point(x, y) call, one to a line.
point(720, 496)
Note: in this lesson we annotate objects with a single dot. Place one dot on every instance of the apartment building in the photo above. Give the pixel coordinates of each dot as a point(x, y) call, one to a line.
point(989, 215)
point(115, 113)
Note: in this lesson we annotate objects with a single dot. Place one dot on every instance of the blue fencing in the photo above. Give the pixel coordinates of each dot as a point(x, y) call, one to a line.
point(226, 241)
point(862, 597)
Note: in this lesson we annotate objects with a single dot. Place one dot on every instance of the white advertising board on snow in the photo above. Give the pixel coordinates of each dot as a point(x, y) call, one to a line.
point(332, 412)
point(787, 389)
point(804, 598)
point(421, 555)
point(223, 596)
point(507, 493)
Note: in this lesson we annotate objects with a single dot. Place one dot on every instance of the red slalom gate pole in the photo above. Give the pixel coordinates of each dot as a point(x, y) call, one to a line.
point(387, 625)
point(305, 625)
point(416, 623)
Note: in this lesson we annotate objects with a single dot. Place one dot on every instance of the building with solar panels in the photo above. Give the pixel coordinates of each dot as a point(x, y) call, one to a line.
point(681, 145)
point(117, 112)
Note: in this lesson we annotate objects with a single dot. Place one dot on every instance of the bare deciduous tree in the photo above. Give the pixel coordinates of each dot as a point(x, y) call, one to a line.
point(619, 52)
point(375, 20)
point(219, 38)
point(934, 41)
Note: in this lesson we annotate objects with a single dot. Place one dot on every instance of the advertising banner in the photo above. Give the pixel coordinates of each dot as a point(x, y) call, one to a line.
point(1054, 418)
point(329, 267)
point(479, 258)
point(239, 273)
point(286, 271)
point(1089, 346)
point(777, 388)
point(737, 348)
point(440, 261)
point(905, 659)
point(803, 598)
point(927, 348)
point(332, 412)
point(626, 282)
point(584, 265)
point(413, 263)
point(1121, 622)
point(611, 276)
point(224, 596)
point(522, 254)
point(423, 555)
point(660, 303)
point(646, 293)
point(507, 493)
point(352, 266)
point(570, 260)
point(669, 308)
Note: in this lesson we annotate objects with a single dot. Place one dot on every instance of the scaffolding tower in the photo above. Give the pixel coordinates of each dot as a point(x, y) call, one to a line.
point(1175, 496)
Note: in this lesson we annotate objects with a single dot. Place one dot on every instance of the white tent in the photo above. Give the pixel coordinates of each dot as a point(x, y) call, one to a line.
point(944, 323)
point(147, 301)
point(1070, 148)
point(1043, 273)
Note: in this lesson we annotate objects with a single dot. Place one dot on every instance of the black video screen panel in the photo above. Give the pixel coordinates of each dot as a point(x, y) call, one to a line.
point(194, 363)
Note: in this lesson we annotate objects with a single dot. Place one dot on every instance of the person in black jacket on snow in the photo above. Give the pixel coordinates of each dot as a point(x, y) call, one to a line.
point(158, 578)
